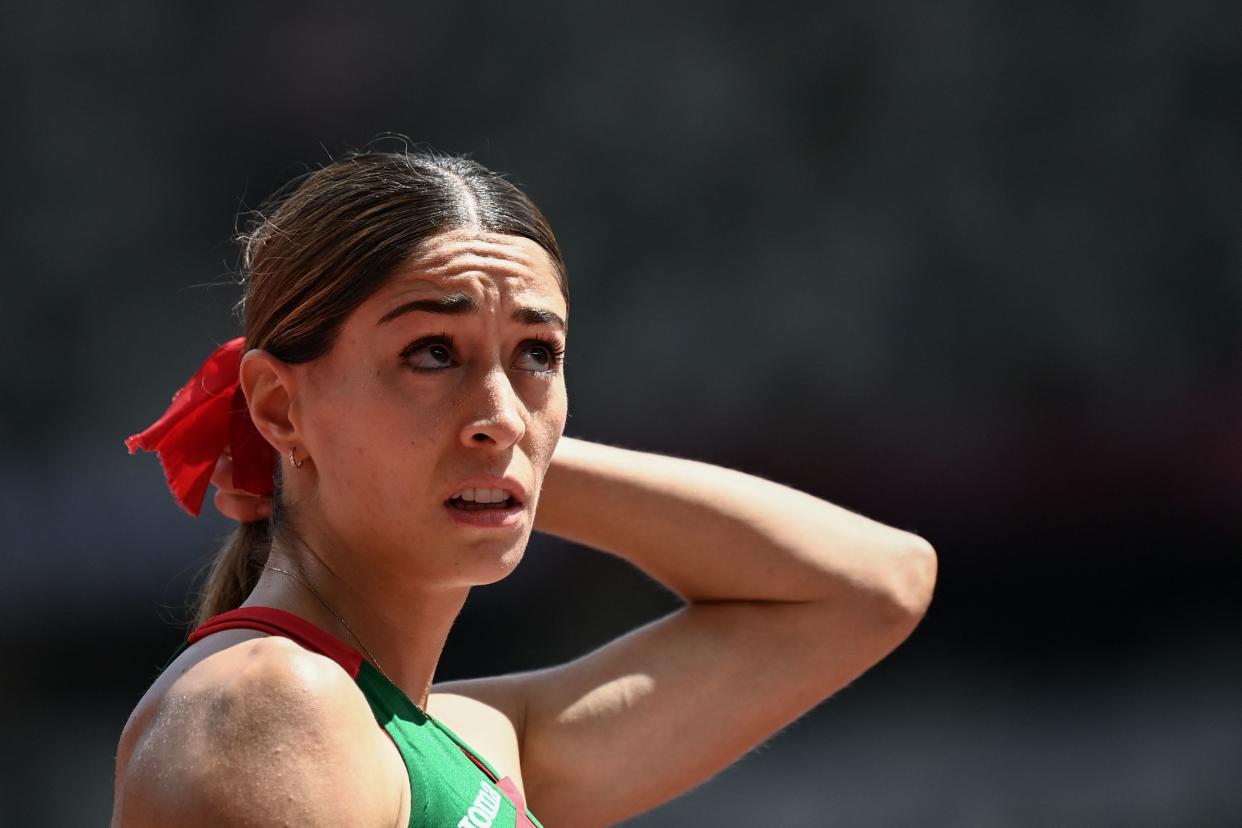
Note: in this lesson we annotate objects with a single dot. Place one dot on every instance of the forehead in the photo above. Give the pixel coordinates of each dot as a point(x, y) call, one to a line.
point(485, 265)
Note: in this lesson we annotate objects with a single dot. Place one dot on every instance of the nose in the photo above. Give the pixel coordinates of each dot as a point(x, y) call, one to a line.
point(498, 417)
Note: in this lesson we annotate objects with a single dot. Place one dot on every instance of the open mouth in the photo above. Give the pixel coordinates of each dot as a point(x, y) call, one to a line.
point(479, 506)
point(483, 499)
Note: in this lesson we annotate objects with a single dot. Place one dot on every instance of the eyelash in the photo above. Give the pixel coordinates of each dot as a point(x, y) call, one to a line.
point(555, 350)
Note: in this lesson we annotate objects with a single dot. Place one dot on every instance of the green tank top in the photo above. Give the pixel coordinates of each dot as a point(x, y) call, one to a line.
point(450, 784)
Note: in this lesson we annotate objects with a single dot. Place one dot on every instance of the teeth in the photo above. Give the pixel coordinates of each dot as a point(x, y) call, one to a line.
point(482, 495)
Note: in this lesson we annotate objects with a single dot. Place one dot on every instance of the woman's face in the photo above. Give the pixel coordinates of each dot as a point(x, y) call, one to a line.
point(451, 371)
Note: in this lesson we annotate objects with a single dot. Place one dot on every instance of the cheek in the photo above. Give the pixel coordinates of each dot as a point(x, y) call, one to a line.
point(549, 426)
point(387, 448)
point(347, 458)
point(363, 440)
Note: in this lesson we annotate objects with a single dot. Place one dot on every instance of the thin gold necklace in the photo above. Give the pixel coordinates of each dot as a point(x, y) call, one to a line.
point(304, 581)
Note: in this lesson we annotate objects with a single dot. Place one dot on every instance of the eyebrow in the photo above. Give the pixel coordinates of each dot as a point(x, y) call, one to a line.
point(461, 304)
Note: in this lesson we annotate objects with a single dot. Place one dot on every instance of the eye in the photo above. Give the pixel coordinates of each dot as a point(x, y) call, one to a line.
point(431, 353)
point(542, 356)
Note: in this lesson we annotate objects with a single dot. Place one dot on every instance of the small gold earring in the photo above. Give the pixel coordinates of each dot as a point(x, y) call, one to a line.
point(297, 464)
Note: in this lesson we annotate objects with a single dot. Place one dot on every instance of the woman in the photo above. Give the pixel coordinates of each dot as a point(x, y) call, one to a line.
point(400, 396)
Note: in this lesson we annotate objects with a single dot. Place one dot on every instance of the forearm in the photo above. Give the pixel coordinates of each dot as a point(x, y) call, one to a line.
point(715, 534)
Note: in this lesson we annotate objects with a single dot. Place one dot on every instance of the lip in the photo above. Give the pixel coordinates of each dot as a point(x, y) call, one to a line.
point(489, 518)
point(487, 482)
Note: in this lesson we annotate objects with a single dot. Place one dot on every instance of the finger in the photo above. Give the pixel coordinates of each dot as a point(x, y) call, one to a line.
point(243, 507)
point(222, 476)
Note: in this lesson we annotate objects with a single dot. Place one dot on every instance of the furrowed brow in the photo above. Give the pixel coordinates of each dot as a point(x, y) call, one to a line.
point(453, 304)
point(537, 316)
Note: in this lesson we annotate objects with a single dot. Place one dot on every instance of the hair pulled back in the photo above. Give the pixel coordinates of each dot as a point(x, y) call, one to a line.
point(323, 244)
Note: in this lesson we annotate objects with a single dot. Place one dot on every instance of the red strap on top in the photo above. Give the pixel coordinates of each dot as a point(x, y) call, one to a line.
point(279, 622)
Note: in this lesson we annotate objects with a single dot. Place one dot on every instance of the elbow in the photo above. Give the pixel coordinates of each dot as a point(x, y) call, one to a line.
point(914, 578)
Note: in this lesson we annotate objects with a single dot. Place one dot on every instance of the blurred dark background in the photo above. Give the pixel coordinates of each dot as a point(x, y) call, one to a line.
point(973, 269)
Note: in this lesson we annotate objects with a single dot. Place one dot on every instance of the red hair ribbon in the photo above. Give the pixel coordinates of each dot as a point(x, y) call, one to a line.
point(207, 415)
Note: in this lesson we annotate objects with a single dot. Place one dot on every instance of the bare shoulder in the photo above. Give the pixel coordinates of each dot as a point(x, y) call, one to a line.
point(258, 731)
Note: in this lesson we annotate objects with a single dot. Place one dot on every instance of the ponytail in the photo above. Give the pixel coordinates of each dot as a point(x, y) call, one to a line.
point(235, 571)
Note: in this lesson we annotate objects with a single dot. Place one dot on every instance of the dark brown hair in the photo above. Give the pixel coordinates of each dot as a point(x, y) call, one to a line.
point(322, 245)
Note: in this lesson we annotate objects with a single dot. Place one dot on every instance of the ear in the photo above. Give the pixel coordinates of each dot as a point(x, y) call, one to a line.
point(270, 386)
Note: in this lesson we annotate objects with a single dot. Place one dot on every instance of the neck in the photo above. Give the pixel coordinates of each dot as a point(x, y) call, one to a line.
point(400, 627)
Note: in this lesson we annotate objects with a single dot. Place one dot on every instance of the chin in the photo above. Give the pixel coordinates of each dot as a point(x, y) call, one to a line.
point(482, 564)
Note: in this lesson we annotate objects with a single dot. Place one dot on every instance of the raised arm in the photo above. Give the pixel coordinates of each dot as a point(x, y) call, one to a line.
point(789, 598)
